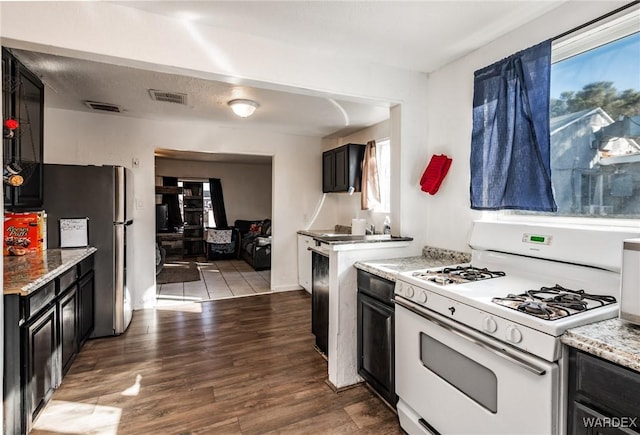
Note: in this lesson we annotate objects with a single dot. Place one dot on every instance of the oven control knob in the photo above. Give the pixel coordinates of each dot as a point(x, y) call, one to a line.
point(489, 325)
point(410, 291)
point(399, 288)
point(513, 334)
point(422, 297)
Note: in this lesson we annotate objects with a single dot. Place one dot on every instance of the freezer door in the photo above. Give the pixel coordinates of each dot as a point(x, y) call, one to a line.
point(124, 197)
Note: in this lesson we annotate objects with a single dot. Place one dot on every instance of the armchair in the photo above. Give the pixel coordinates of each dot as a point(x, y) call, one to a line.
point(222, 243)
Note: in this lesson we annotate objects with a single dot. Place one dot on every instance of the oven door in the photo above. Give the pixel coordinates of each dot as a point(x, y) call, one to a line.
point(454, 380)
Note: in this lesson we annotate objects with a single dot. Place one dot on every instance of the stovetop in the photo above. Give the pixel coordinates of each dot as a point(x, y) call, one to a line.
point(490, 279)
point(457, 274)
point(553, 303)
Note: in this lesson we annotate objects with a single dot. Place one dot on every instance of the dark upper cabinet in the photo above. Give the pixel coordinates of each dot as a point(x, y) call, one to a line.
point(23, 100)
point(342, 168)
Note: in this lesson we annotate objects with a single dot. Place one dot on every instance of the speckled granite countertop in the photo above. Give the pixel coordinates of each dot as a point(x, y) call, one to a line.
point(431, 257)
point(27, 273)
point(614, 340)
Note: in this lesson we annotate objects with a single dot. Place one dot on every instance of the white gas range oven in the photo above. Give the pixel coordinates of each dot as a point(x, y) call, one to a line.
point(477, 345)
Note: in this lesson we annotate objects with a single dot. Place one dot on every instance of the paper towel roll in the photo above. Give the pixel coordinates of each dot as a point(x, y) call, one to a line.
point(358, 226)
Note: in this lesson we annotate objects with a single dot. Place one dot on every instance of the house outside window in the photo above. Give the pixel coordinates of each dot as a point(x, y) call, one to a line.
point(595, 121)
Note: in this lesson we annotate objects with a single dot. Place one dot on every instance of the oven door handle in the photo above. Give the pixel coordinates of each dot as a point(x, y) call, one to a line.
point(462, 334)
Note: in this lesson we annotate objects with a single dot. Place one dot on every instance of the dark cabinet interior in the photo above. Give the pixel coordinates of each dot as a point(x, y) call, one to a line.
point(376, 344)
point(44, 331)
point(600, 392)
point(342, 168)
point(23, 100)
point(320, 301)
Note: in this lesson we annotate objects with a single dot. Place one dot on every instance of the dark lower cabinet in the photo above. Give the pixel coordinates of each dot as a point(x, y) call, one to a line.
point(86, 310)
point(604, 398)
point(68, 312)
point(43, 333)
point(376, 343)
point(320, 301)
point(40, 369)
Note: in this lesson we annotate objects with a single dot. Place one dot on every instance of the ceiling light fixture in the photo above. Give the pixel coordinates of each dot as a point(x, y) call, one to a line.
point(243, 108)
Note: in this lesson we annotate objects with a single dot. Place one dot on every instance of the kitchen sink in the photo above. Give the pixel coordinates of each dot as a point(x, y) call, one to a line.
point(355, 238)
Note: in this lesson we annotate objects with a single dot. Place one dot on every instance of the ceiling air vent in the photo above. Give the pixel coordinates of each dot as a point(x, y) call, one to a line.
point(168, 97)
point(105, 107)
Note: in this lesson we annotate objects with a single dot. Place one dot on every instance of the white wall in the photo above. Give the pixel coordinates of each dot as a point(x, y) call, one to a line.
point(86, 138)
point(246, 187)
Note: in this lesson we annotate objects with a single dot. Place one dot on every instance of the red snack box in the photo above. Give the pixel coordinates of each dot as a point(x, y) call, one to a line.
point(23, 232)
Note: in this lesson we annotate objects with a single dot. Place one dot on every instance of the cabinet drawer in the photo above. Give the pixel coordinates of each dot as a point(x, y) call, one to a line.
point(85, 266)
point(613, 388)
point(67, 278)
point(40, 299)
point(374, 286)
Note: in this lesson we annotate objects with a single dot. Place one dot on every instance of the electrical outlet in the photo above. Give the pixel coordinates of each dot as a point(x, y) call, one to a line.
point(135, 162)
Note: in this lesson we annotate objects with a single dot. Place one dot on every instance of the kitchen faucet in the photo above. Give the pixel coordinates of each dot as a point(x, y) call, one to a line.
point(371, 229)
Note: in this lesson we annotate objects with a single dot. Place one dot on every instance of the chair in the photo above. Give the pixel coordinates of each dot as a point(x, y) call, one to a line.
point(222, 243)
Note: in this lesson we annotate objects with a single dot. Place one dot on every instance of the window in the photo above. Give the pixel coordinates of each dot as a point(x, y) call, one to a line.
point(595, 121)
point(383, 158)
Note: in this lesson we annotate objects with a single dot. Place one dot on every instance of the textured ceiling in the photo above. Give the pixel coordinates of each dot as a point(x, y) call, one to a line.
point(415, 35)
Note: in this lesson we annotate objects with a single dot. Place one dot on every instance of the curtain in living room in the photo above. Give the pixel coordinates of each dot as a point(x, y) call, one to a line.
point(510, 145)
point(217, 202)
point(173, 206)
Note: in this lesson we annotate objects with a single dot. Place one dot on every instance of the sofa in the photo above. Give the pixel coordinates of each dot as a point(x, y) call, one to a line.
point(255, 242)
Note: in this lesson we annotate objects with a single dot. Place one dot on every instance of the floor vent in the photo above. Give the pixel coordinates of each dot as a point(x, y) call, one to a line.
point(105, 107)
point(168, 97)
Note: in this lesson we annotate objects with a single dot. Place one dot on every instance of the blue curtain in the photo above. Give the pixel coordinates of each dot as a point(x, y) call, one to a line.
point(510, 156)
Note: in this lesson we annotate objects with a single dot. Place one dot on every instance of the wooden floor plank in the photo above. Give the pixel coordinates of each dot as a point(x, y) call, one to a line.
point(234, 366)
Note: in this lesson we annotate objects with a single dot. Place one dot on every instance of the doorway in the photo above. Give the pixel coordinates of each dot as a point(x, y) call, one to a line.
point(192, 269)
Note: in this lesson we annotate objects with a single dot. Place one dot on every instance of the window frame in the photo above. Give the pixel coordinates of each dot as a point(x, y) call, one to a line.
point(595, 34)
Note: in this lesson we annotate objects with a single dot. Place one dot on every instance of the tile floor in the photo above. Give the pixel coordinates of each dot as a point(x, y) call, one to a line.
point(218, 280)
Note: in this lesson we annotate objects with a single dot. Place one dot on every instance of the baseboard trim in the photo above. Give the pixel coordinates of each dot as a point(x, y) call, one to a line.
point(341, 389)
point(286, 288)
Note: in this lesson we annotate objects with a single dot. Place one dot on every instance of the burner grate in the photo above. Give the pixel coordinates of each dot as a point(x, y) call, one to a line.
point(457, 274)
point(552, 303)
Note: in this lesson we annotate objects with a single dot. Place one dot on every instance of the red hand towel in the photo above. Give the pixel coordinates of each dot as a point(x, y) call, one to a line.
point(434, 173)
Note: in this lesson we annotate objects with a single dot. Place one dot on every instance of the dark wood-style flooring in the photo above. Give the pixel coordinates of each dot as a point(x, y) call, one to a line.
point(235, 366)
